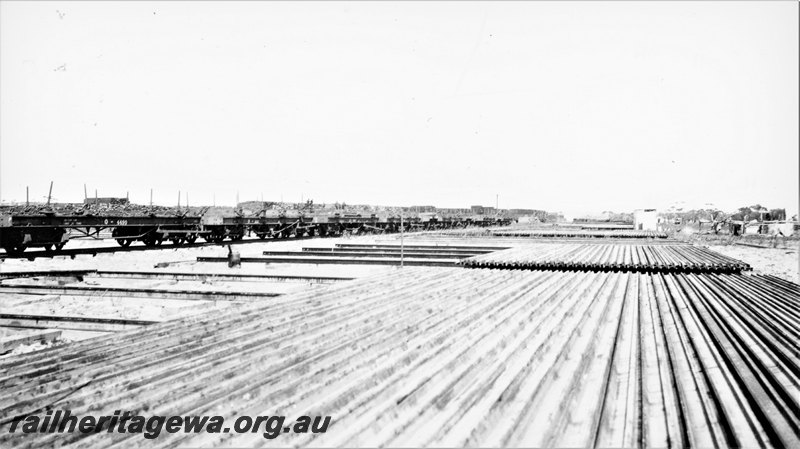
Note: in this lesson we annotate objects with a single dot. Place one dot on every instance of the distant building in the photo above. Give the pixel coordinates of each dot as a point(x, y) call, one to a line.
point(527, 219)
point(645, 220)
point(539, 215)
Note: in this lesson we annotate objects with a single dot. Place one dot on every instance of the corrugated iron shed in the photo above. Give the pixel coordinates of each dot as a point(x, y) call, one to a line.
point(454, 357)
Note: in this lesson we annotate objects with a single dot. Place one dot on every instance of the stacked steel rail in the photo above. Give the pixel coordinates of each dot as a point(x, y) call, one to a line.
point(452, 357)
point(366, 254)
point(583, 233)
point(609, 257)
point(30, 303)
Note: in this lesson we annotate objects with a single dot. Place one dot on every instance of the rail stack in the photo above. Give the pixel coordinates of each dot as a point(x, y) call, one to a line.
point(609, 257)
point(580, 233)
point(453, 357)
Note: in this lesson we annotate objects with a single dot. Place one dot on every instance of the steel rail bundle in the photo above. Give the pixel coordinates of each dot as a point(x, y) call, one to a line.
point(26, 337)
point(384, 251)
point(300, 258)
point(515, 241)
point(91, 324)
point(641, 258)
point(133, 292)
point(367, 254)
point(584, 233)
point(453, 357)
point(377, 254)
point(396, 246)
point(605, 226)
point(189, 276)
point(178, 276)
point(397, 249)
point(51, 231)
point(77, 274)
point(30, 304)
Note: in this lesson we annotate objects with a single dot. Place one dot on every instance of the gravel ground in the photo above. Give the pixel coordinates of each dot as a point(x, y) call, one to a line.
point(783, 263)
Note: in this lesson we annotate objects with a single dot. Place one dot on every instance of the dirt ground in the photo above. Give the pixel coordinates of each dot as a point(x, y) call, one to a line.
point(776, 256)
point(781, 262)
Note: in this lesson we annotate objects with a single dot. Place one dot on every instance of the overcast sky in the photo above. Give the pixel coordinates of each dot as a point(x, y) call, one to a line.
point(571, 106)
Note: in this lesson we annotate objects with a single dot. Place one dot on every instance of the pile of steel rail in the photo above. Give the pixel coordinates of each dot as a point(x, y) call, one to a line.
point(451, 357)
point(609, 257)
point(585, 233)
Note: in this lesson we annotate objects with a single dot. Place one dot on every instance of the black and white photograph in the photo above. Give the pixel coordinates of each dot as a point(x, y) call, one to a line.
point(400, 224)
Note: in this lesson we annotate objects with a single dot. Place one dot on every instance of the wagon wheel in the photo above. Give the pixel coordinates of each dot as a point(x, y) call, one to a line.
point(15, 250)
point(48, 247)
point(178, 241)
point(121, 242)
point(149, 240)
point(191, 238)
point(60, 246)
point(125, 242)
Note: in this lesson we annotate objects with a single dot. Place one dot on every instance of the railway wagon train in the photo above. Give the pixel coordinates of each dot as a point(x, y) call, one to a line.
point(51, 231)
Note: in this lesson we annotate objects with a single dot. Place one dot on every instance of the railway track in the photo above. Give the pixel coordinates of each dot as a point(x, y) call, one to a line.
point(73, 252)
point(50, 230)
